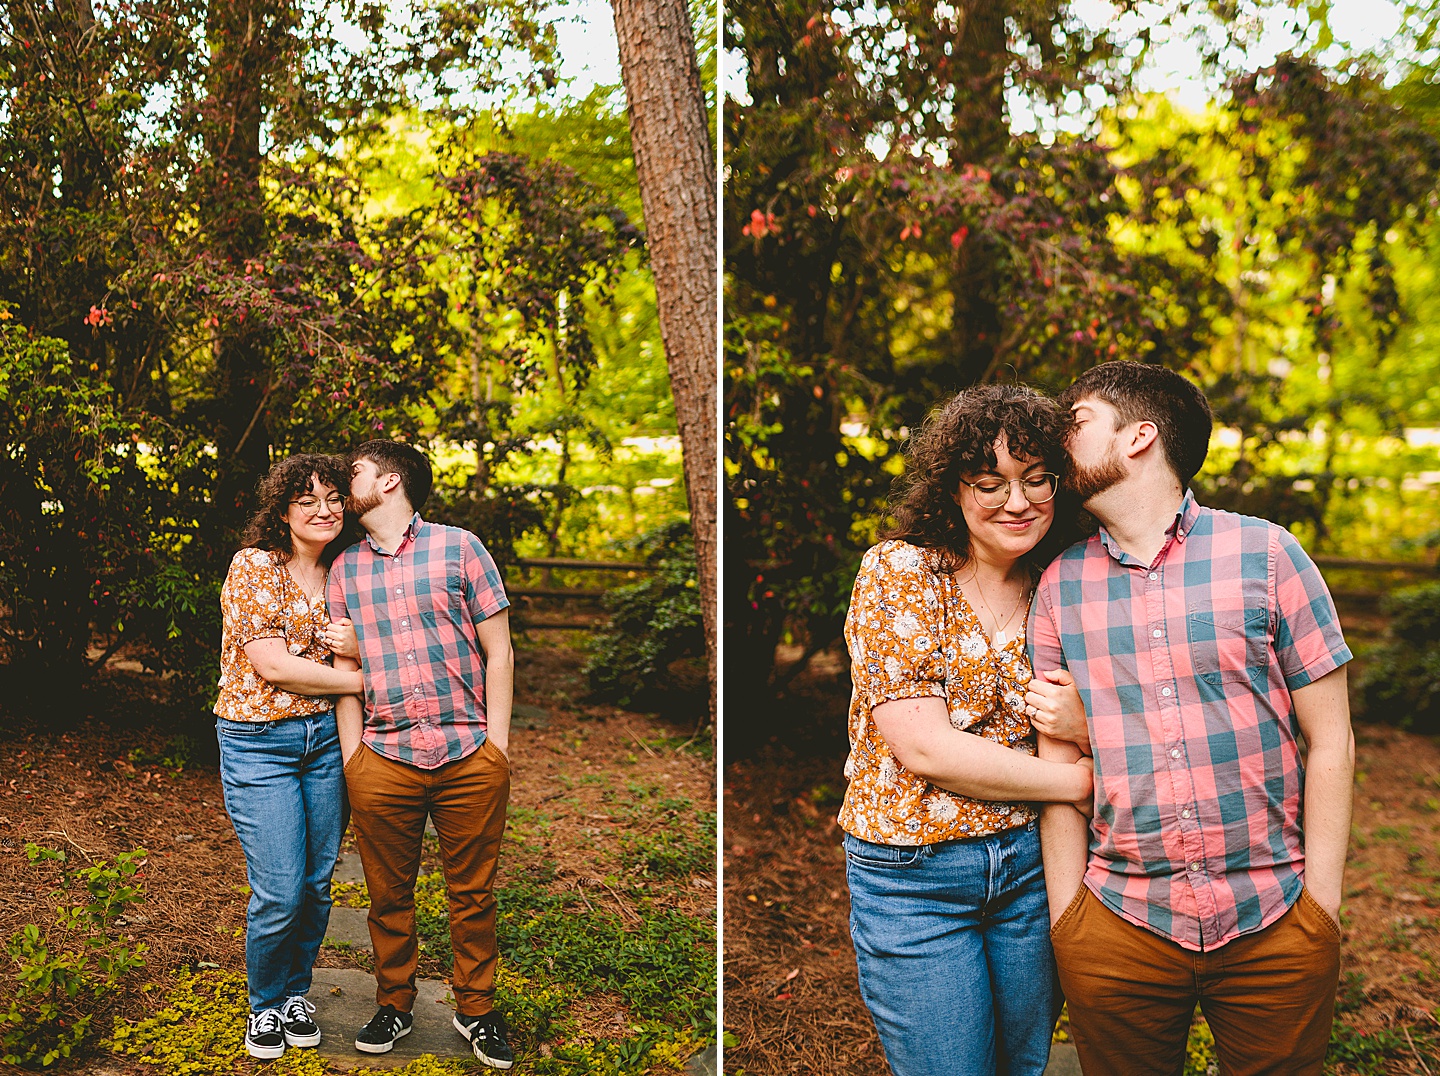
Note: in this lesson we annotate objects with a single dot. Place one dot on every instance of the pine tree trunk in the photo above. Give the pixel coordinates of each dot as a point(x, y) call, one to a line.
point(676, 167)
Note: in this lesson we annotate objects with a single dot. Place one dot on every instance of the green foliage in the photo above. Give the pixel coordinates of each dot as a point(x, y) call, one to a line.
point(200, 1030)
point(1372, 1053)
point(1279, 246)
point(61, 973)
point(1401, 684)
point(199, 300)
point(662, 966)
point(654, 624)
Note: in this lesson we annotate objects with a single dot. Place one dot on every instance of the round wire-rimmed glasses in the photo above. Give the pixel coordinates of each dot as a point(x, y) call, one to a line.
point(336, 503)
point(994, 492)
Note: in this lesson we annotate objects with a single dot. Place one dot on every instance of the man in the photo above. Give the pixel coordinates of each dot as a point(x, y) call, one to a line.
point(1204, 645)
point(432, 625)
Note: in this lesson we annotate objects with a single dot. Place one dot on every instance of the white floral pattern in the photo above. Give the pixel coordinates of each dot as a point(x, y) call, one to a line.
point(260, 600)
point(911, 634)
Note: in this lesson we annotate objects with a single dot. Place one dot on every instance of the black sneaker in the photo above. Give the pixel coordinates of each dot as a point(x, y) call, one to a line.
point(487, 1039)
point(387, 1025)
point(264, 1034)
point(300, 1029)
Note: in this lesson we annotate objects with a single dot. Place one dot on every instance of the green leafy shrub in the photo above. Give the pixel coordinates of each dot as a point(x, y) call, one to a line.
point(653, 654)
point(91, 542)
point(1401, 686)
point(62, 972)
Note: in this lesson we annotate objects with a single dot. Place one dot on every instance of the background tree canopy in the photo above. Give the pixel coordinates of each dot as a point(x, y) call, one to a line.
point(929, 195)
point(235, 229)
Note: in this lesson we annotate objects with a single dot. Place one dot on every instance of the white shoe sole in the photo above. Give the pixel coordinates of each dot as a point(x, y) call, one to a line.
point(302, 1040)
point(485, 1059)
point(264, 1053)
point(381, 1047)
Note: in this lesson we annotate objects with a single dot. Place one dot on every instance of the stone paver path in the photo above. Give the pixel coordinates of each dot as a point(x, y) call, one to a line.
point(1064, 1061)
point(344, 1000)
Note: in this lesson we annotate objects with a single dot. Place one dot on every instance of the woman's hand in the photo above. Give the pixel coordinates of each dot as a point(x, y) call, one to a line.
point(340, 638)
point(1054, 708)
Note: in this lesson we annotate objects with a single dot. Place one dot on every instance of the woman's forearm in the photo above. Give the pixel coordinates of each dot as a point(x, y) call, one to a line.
point(919, 733)
point(298, 675)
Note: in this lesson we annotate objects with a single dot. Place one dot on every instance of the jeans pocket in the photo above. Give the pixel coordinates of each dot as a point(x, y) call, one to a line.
point(241, 729)
point(882, 856)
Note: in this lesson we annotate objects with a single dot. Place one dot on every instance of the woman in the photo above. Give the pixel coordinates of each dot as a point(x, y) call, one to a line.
point(948, 908)
point(279, 749)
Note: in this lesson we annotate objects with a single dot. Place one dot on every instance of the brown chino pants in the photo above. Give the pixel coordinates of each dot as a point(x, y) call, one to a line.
point(388, 802)
point(1268, 997)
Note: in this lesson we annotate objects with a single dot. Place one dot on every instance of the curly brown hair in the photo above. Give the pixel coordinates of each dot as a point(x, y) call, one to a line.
point(959, 438)
point(287, 480)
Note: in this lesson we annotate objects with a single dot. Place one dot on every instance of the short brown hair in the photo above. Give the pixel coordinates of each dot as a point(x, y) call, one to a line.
point(392, 457)
point(287, 480)
point(959, 437)
point(1142, 392)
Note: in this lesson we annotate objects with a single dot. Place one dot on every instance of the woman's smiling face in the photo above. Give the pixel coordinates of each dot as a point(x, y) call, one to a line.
point(1003, 535)
point(317, 514)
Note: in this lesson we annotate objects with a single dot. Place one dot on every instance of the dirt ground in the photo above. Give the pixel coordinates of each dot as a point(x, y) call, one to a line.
point(791, 999)
point(108, 786)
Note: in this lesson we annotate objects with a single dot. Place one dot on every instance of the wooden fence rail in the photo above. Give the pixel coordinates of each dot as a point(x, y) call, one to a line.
point(564, 594)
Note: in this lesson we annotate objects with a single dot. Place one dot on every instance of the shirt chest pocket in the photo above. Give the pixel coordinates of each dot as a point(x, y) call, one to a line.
point(1229, 646)
point(440, 597)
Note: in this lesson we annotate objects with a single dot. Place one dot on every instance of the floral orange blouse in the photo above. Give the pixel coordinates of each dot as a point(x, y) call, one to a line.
point(912, 634)
point(261, 600)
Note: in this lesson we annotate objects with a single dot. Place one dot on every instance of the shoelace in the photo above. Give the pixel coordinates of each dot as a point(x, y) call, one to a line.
point(265, 1022)
point(296, 1008)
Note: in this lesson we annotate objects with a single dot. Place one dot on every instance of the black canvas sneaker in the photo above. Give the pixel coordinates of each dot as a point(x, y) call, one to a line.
point(296, 1015)
point(387, 1025)
point(264, 1035)
point(487, 1037)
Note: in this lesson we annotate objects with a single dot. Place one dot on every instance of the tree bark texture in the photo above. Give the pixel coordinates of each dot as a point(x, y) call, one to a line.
point(675, 162)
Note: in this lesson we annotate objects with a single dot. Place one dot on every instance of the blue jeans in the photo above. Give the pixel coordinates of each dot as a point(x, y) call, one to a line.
point(953, 944)
point(285, 792)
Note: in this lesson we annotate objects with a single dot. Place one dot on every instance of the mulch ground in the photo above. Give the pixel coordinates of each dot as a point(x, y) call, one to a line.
point(791, 997)
point(105, 787)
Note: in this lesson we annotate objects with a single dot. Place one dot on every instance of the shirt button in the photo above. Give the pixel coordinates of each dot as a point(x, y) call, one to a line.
point(1154, 575)
point(1194, 866)
point(1185, 813)
point(412, 657)
point(1179, 534)
point(404, 623)
point(1156, 633)
point(1165, 691)
point(1174, 752)
point(399, 590)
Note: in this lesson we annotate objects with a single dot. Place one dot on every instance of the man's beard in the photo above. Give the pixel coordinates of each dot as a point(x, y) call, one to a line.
point(359, 505)
point(1088, 482)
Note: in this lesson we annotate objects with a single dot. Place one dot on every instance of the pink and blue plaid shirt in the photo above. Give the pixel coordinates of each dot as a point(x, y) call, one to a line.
point(1186, 666)
point(415, 612)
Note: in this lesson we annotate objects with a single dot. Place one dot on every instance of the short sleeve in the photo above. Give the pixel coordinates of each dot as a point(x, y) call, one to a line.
point(335, 604)
point(1042, 635)
point(892, 628)
point(484, 589)
point(1308, 640)
point(250, 601)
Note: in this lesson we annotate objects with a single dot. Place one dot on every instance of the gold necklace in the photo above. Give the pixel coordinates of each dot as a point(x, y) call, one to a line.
point(998, 635)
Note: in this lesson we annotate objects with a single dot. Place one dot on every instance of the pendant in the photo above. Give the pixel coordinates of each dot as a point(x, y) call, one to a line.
point(1000, 639)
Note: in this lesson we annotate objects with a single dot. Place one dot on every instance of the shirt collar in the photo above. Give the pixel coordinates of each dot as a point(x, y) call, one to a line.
point(410, 532)
point(1185, 518)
